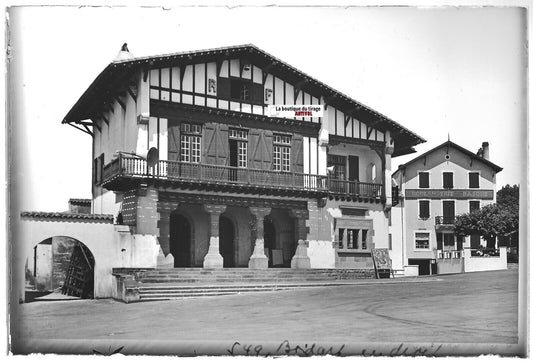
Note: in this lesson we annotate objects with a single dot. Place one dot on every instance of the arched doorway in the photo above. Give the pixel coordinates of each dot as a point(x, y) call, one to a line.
point(227, 241)
point(180, 240)
point(270, 240)
point(59, 264)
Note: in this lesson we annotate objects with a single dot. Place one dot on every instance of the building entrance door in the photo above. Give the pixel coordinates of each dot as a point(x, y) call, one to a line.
point(227, 241)
point(180, 240)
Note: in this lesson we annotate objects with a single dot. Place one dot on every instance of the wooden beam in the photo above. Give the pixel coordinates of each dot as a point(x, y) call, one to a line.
point(346, 120)
point(88, 130)
point(145, 73)
point(122, 104)
point(266, 70)
point(83, 130)
point(104, 118)
point(182, 73)
point(132, 91)
point(368, 131)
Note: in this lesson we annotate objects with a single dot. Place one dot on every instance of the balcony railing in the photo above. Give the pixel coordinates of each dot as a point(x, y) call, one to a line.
point(133, 167)
point(441, 220)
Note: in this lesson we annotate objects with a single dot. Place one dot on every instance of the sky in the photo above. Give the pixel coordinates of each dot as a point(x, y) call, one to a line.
point(454, 72)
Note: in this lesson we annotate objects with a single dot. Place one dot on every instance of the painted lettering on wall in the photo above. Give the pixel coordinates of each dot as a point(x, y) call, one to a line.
point(449, 194)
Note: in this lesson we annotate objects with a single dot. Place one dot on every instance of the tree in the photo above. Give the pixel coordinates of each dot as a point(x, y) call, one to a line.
point(494, 221)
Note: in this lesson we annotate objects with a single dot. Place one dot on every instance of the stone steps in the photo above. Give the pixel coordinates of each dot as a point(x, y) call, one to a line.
point(135, 285)
point(152, 292)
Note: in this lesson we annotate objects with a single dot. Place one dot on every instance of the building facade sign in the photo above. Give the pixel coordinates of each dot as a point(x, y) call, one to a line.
point(449, 194)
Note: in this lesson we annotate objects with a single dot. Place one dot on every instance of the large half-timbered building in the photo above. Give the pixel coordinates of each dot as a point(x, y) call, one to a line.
point(186, 152)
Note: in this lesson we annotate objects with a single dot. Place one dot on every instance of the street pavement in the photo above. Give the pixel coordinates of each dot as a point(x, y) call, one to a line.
point(472, 312)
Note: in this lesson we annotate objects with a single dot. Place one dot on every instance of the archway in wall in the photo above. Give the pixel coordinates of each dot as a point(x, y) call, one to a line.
point(60, 264)
point(281, 243)
point(180, 240)
point(227, 241)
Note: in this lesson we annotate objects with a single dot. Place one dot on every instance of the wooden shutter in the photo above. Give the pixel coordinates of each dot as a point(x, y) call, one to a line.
point(297, 155)
point(423, 180)
point(447, 180)
point(260, 149)
point(423, 209)
point(448, 211)
point(473, 180)
point(474, 206)
point(173, 141)
point(215, 144)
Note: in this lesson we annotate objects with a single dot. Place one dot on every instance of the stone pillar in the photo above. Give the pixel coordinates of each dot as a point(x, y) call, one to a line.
point(300, 259)
point(213, 259)
point(146, 213)
point(258, 259)
point(164, 259)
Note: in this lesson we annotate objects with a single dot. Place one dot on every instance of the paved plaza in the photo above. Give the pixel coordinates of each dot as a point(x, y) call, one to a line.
point(477, 309)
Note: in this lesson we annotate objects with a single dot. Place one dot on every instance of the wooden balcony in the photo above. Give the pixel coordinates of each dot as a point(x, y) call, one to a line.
point(126, 172)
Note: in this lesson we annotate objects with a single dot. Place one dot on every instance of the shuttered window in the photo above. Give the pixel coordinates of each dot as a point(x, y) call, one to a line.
point(190, 143)
point(423, 180)
point(423, 209)
point(447, 180)
point(473, 180)
point(474, 206)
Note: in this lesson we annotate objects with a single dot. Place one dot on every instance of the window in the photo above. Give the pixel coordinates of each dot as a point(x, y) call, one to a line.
point(474, 206)
point(338, 162)
point(473, 180)
point(238, 148)
point(190, 143)
point(341, 237)
point(423, 209)
point(390, 242)
point(422, 240)
point(423, 180)
point(282, 153)
point(353, 238)
point(363, 238)
point(447, 180)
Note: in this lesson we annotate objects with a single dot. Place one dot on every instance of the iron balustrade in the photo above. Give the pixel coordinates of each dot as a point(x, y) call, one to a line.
point(135, 167)
point(440, 220)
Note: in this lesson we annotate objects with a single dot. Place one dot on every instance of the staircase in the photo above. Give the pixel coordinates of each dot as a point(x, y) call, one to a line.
point(137, 285)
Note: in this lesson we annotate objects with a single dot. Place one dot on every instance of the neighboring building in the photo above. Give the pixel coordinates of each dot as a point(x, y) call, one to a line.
point(434, 188)
point(187, 157)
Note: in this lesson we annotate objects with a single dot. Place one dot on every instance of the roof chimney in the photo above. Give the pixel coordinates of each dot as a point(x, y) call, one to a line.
point(485, 146)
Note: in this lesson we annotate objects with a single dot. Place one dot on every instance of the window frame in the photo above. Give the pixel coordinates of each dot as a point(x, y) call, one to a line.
point(190, 143)
point(419, 209)
point(452, 180)
point(470, 180)
point(281, 152)
point(419, 180)
point(415, 238)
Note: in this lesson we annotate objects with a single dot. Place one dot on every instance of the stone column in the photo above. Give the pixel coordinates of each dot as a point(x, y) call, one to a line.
point(213, 259)
point(258, 259)
point(300, 259)
point(164, 258)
